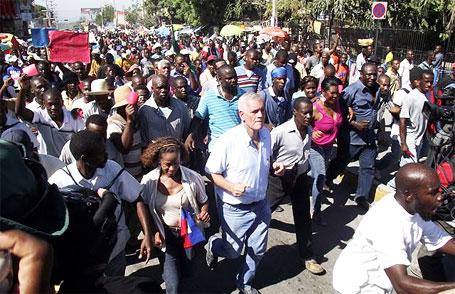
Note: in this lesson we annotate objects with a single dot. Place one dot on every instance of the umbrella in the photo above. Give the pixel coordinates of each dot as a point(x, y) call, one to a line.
point(163, 31)
point(274, 32)
point(8, 41)
point(231, 30)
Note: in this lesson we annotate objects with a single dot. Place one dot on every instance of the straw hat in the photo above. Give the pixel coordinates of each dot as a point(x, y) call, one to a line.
point(99, 87)
point(120, 96)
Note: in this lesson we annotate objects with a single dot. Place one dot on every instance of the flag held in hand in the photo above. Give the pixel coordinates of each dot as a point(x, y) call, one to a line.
point(189, 231)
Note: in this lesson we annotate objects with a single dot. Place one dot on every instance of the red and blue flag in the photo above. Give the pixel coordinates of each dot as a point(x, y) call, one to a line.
point(189, 231)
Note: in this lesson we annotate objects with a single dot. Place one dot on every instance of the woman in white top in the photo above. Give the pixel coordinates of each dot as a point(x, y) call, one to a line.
point(166, 189)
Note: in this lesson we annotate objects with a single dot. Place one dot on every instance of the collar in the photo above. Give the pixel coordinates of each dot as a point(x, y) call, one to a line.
point(245, 139)
point(236, 97)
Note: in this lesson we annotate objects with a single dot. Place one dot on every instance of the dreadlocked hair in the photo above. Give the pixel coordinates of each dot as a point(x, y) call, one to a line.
point(151, 155)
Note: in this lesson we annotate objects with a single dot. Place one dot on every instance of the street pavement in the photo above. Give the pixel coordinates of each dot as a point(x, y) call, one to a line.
point(281, 270)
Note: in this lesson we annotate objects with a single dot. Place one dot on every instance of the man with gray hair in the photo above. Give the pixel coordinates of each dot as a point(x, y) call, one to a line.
point(239, 169)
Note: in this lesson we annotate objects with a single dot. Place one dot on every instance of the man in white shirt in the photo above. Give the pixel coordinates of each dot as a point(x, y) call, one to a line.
point(55, 123)
point(413, 123)
point(375, 260)
point(92, 170)
point(405, 66)
point(239, 169)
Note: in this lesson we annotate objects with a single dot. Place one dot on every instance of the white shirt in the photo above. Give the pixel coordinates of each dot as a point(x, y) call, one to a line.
point(386, 236)
point(398, 98)
point(239, 161)
point(125, 187)
point(317, 71)
point(89, 109)
point(51, 137)
point(359, 62)
point(289, 148)
point(403, 71)
point(412, 109)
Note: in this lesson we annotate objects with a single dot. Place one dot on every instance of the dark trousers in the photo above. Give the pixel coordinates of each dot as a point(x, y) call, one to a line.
point(366, 154)
point(280, 187)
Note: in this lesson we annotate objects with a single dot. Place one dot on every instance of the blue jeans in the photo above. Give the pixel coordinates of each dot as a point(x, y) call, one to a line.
point(243, 225)
point(319, 158)
point(176, 261)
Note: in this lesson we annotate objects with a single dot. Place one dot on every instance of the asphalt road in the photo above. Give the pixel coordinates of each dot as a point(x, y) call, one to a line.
point(281, 270)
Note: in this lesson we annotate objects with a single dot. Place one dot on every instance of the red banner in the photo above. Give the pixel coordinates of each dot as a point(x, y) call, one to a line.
point(65, 46)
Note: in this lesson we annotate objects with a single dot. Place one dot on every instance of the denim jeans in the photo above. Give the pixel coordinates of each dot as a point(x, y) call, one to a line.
point(243, 225)
point(176, 261)
point(366, 154)
point(319, 158)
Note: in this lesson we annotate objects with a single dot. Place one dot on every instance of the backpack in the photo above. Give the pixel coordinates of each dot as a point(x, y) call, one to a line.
point(446, 174)
point(84, 248)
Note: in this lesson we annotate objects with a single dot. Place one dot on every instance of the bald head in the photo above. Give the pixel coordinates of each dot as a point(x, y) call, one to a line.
point(412, 176)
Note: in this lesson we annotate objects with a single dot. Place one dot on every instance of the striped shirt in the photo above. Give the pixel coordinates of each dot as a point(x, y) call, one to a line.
point(222, 114)
point(250, 80)
point(132, 159)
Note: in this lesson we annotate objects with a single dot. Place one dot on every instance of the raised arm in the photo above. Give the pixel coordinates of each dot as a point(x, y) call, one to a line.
point(19, 109)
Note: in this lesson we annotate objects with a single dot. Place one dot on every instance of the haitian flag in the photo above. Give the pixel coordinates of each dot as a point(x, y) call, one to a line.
point(66, 46)
point(40, 37)
point(189, 231)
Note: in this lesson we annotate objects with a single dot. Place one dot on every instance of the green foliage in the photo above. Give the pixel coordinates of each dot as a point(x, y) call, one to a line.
point(133, 15)
point(39, 11)
point(106, 15)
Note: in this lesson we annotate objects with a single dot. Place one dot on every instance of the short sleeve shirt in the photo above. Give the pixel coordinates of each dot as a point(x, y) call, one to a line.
point(125, 187)
point(386, 236)
point(240, 161)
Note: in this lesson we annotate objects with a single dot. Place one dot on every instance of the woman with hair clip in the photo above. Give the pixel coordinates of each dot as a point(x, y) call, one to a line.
point(167, 189)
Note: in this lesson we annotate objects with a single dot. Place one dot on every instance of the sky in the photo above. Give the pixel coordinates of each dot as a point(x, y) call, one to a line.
point(71, 9)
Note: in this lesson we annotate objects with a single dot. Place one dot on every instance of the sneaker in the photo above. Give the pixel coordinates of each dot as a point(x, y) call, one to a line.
point(210, 258)
point(249, 290)
point(362, 203)
point(314, 267)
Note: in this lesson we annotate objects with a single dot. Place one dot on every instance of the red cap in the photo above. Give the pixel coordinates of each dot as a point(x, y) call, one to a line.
point(211, 57)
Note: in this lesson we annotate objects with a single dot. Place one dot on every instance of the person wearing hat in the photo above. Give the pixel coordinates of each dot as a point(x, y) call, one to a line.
point(281, 60)
point(102, 103)
point(209, 72)
point(13, 70)
point(70, 89)
point(277, 100)
point(123, 130)
point(55, 123)
point(367, 51)
point(31, 212)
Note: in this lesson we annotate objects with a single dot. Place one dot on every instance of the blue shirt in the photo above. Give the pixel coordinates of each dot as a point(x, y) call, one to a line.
point(240, 161)
point(222, 114)
point(277, 109)
point(365, 106)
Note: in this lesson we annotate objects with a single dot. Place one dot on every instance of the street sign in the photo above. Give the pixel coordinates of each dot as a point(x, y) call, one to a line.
point(379, 10)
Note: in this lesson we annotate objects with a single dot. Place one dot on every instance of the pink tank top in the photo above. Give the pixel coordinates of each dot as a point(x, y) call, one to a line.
point(327, 125)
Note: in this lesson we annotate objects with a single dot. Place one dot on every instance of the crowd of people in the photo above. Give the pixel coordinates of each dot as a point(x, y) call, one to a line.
point(149, 123)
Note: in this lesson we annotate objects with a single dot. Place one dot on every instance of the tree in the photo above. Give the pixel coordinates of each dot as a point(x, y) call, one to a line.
point(107, 14)
point(132, 15)
point(39, 11)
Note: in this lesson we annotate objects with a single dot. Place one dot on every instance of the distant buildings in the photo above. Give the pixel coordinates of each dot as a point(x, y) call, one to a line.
point(16, 16)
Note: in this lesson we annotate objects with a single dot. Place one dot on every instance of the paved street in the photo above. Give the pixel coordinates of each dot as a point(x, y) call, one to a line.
point(281, 270)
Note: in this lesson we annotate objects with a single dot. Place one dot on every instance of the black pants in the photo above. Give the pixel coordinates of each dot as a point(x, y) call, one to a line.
point(280, 187)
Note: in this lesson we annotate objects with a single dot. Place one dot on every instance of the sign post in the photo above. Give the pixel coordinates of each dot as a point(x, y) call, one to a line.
point(378, 12)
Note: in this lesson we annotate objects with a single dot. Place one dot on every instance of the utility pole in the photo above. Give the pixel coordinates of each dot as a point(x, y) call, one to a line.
point(273, 20)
